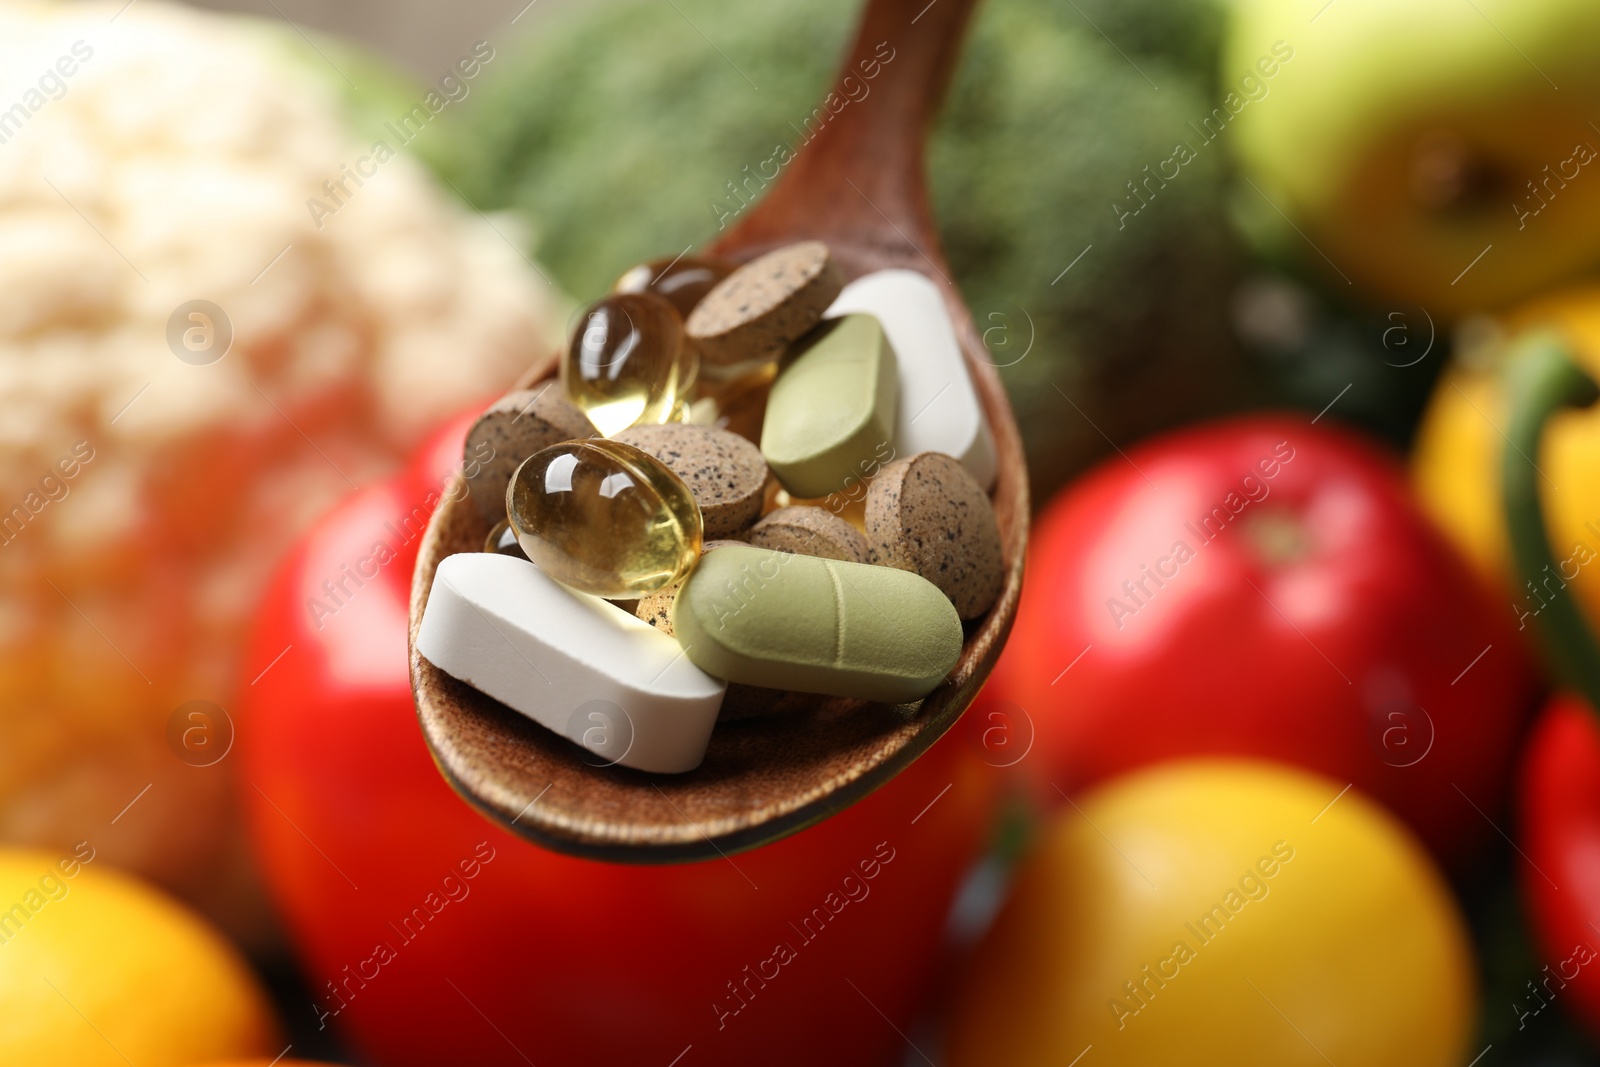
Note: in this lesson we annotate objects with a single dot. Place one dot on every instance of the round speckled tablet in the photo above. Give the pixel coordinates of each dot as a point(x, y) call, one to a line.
point(512, 429)
point(926, 514)
point(656, 608)
point(757, 311)
point(810, 531)
point(724, 472)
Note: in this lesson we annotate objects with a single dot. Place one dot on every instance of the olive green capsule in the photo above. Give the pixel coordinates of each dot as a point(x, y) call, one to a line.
point(784, 621)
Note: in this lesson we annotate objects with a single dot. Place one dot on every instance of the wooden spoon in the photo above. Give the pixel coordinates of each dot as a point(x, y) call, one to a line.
point(859, 186)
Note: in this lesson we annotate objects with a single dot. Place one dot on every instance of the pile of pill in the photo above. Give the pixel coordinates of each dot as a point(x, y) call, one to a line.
point(751, 489)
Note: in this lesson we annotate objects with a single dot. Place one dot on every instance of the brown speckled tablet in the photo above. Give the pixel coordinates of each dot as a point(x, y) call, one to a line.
point(724, 472)
point(512, 429)
point(810, 531)
point(656, 608)
point(760, 309)
point(926, 514)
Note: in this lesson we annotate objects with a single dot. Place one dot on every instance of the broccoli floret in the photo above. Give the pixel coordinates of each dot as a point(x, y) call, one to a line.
point(616, 129)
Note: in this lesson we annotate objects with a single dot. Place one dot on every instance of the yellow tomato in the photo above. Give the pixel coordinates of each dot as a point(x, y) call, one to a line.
point(1457, 460)
point(1223, 913)
point(98, 969)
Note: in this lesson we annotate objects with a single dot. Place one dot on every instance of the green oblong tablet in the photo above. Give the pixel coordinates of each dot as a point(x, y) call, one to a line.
point(831, 413)
point(815, 625)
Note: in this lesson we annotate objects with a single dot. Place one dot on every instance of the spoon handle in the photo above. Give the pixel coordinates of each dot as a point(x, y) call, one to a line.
point(857, 175)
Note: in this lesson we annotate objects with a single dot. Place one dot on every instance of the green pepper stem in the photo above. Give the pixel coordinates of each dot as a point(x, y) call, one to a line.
point(1542, 379)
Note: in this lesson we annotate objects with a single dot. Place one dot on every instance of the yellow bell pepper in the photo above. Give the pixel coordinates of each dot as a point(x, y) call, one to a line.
point(1456, 461)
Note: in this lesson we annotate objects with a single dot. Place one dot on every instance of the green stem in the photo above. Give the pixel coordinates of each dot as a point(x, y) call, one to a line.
point(1542, 379)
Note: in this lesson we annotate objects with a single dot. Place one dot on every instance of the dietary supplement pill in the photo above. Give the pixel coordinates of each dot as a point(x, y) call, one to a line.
point(570, 662)
point(782, 621)
point(832, 410)
point(927, 514)
point(810, 531)
point(756, 312)
point(627, 362)
point(604, 518)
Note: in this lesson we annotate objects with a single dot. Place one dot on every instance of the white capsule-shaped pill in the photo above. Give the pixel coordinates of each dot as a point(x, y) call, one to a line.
point(939, 406)
point(570, 662)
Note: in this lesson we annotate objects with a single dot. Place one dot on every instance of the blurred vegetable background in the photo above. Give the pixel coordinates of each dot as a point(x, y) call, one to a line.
point(174, 167)
point(1255, 781)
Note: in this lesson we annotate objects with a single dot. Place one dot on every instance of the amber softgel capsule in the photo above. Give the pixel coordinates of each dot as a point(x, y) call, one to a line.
point(628, 363)
point(605, 518)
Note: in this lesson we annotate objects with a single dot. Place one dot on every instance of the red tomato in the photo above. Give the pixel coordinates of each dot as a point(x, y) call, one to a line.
point(432, 936)
point(1263, 587)
point(1559, 801)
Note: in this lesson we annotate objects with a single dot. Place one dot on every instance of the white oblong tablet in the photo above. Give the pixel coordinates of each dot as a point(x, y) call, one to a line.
point(571, 662)
point(939, 407)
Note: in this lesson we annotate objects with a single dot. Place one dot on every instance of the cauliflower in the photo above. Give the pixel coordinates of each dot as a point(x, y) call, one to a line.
point(150, 157)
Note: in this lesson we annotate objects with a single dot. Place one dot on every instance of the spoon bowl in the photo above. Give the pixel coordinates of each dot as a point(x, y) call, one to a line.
point(857, 185)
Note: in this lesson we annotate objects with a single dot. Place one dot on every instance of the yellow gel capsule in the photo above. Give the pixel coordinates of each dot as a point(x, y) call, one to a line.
point(604, 518)
point(628, 362)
